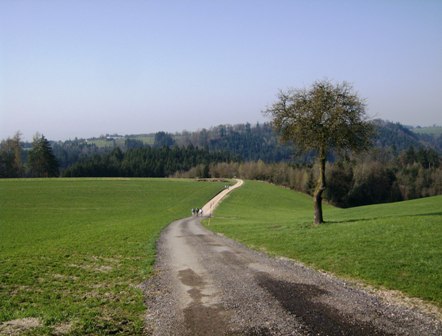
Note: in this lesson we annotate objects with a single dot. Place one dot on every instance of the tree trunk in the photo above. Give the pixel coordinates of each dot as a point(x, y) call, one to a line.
point(320, 187)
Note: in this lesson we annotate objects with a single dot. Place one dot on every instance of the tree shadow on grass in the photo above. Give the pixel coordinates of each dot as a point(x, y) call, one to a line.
point(353, 220)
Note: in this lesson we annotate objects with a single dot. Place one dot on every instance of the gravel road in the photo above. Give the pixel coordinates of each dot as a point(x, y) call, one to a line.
point(206, 284)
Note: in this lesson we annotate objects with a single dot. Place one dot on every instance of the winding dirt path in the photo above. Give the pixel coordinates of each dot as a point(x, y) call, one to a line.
point(213, 203)
point(206, 284)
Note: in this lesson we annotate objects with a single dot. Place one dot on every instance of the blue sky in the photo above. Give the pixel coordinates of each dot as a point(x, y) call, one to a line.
point(89, 67)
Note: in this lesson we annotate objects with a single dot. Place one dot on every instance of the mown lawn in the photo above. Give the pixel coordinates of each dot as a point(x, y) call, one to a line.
point(73, 252)
point(396, 246)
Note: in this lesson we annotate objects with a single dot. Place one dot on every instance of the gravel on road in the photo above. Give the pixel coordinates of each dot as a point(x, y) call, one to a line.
point(207, 284)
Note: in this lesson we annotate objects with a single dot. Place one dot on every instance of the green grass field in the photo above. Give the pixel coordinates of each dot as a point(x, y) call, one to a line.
point(395, 246)
point(430, 130)
point(146, 139)
point(74, 251)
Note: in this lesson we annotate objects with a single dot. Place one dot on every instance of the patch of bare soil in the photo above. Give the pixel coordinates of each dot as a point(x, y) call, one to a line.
point(63, 328)
point(16, 327)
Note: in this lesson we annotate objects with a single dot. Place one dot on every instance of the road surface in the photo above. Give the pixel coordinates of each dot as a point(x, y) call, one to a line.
point(206, 284)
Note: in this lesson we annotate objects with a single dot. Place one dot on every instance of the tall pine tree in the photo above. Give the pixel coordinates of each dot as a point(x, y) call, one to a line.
point(10, 157)
point(42, 162)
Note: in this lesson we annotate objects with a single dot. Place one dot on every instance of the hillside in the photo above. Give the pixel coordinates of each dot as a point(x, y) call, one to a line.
point(430, 130)
point(243, 141)
point(431, 136)
point(259, 142)
point(395, 246)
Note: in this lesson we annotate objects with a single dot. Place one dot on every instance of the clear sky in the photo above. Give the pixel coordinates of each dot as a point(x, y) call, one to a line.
point(82, 68)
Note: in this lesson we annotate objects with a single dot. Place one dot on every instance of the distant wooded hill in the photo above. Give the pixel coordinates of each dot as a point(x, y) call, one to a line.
point(244, 141)
point(259, 142)
point(404, 164)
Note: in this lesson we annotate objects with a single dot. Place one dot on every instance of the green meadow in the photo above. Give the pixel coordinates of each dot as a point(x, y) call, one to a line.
point(74, 252)
point(395, 246)
point(431, 130)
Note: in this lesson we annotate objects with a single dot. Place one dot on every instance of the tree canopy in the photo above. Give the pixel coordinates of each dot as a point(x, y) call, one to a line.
point(327, 116)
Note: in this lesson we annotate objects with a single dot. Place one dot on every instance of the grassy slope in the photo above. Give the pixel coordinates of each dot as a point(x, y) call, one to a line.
point(102, 142)
point(430, 130)
point(398, 246)
point(73, 250)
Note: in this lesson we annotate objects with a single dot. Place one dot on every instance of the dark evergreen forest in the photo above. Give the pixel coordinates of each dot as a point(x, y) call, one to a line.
point(146, 162)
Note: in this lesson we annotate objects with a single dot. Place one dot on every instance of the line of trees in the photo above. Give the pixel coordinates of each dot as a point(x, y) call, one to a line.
point(40, 159)
point(378, 176)
point(248, 142)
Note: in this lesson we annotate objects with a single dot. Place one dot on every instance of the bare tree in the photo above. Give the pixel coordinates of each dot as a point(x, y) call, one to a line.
point(325, 117)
